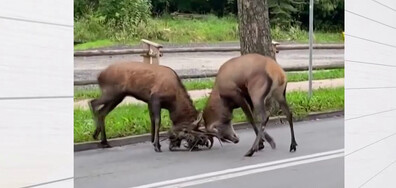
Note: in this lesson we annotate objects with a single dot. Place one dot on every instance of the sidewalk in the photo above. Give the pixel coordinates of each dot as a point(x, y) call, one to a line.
point(197, 94)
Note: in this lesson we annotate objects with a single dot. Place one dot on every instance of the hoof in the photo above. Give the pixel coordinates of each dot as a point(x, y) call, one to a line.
point(249, 153)
point(157, 148)
point(105, 145)
point(293, 147)
point(261, 146)
point(252, 151)
point(95, 135)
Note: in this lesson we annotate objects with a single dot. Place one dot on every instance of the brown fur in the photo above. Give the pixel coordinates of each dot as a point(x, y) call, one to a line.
point(248, 81)
point(159, 86)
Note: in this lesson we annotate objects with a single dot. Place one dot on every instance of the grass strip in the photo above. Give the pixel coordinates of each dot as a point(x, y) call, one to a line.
point(133, 119)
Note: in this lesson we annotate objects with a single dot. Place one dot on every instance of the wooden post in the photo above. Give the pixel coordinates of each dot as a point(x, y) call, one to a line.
point(153, 54)
point(275, 50)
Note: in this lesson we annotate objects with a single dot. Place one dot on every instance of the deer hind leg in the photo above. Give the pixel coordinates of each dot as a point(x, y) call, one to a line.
point(152, 120)
point(155, 108)
point(258, 91)
point(266, 135)
point(247, 110)
point(94, 106)
point(109, 102)
point(281, 98)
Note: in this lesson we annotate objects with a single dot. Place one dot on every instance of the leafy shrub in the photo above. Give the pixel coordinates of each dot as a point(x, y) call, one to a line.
point(90, 27)
point(124, 13)
point(281, 12)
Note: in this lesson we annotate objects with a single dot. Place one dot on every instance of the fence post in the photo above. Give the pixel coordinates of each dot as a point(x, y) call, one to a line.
point(274, 46)
point(153, 54)
point(311, 4)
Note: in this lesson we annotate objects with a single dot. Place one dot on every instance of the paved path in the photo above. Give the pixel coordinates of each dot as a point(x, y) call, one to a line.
point(196, 94)
point(87, 68)
point(136, 165)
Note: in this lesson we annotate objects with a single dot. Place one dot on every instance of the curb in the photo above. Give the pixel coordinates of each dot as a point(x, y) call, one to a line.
point(85, 53)
point(237, 126)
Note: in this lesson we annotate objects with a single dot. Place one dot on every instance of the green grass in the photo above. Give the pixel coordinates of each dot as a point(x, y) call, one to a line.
point(207, 83)
point(127, 120)
point(94, 44)
point(323, 37)
point(317, 75)
point(176, 30)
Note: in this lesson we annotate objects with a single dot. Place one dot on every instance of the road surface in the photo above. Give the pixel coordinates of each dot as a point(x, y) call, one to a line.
point(318, 162)
point(87, 68)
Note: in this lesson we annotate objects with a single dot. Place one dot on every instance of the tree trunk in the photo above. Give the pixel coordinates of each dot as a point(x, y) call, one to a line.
point(254, 27)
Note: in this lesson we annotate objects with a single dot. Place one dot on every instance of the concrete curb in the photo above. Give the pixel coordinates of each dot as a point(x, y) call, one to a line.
point(147, 137)
point(86, 53)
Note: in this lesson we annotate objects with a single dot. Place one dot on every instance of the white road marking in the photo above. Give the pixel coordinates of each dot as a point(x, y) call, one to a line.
point(246, 170)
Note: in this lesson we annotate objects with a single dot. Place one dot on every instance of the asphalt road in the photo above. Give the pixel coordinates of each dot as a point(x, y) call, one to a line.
point(318, 162)
point(87, 68)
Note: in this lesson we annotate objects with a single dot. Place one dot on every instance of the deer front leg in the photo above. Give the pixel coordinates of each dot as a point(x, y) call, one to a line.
point(155, 109)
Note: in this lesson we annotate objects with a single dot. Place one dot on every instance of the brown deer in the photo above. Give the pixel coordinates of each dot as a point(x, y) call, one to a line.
point(249, 82)
point(158, 86)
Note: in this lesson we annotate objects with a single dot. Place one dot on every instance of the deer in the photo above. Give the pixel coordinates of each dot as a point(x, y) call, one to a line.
point(249, 82)
point(158, 86)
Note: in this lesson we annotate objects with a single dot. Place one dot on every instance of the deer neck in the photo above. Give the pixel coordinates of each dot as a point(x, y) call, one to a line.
point(215, 112)
point(183, 111)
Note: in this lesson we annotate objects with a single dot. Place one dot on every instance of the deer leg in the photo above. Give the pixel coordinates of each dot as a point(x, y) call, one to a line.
point(152, 120)
point(259, 136)
point(266, 135)
point(249, 115)
point(155, 108)
point(289, 115)
point(258, 91)
point(107, 108)
point(94, 106)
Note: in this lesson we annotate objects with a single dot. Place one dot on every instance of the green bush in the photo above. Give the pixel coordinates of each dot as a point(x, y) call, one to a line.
point(83, 7)
point(90, 27)
point(328, 15)
point(125, 13)
point(281, 12)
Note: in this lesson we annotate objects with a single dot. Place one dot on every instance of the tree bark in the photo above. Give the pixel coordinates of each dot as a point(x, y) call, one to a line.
point(254, 27)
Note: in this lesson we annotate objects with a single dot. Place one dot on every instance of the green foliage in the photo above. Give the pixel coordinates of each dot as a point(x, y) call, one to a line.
point(281, 12)
point(116, 19)
point(83, 7)
point(328, 15)
point(217, 7)
point(90, 27)
point(121, 12)
point(93, 44)
point(167, 30)
point(129, 20)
